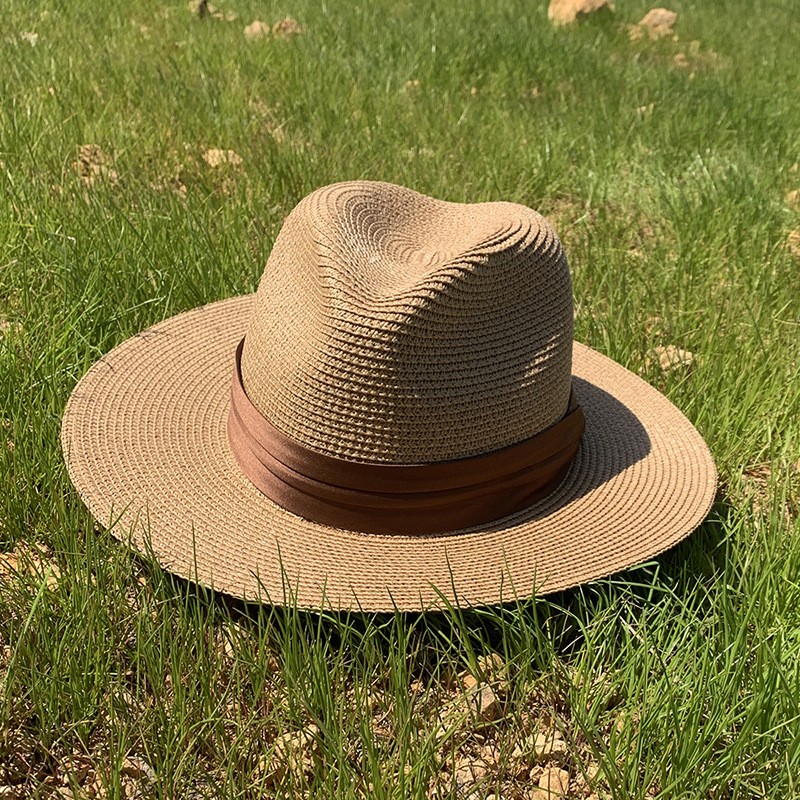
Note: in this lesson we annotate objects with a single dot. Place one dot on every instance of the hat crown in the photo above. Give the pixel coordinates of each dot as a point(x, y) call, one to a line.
point(390, 327)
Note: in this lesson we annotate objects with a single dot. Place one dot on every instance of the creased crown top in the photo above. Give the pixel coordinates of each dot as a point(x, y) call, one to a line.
point(394, 328)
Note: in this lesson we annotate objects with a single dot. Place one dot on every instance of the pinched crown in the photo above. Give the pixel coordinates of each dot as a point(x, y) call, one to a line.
point(391, 327)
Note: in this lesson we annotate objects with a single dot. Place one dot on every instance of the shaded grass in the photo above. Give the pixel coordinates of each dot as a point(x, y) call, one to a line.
point(679, 678)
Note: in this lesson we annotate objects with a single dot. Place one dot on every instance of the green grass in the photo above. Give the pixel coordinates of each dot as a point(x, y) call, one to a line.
point(681, 678)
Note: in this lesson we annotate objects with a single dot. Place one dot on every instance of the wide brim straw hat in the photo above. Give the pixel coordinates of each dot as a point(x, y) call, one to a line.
point(398, 419)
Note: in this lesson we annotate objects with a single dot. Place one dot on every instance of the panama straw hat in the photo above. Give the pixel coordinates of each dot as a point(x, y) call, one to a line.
point(398, 419)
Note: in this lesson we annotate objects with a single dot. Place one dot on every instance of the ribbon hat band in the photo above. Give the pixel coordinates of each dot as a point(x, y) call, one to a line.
point(412, 499)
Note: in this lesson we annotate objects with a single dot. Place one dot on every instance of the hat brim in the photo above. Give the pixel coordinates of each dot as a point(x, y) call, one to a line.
point(144, 439)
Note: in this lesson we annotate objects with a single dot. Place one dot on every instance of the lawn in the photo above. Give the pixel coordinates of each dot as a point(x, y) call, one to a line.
point(148, 155)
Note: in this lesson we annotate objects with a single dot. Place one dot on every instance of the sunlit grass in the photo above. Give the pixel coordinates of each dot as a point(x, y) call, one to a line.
point(668, 185)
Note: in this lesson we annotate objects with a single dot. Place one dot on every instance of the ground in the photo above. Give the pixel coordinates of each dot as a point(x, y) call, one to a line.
point(148, 155)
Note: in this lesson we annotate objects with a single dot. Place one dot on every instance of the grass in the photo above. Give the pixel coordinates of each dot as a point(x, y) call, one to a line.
point(668, 184)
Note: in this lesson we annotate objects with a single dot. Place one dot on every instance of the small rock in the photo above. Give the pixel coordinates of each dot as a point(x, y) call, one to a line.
point(293, 752)
point(658, 22)
point(137, 768)
point(492, 665)
point(286, 28)
point(92, 163)
point(256, 30)
point(563, 12)
point(468, 771)
point(31, 563)
point(488, 704)
point(216, 158)
point(490, 668)
point(96, 790)
point(671, 357)
point(199, 7)
point(78, 767)
point(539, 745)
point(555, 782)
point(679, 60)
point(793, 240)
point(490, 754)
point(635, 32)
point(205, 9)
point(477, 702)
point(469, 681)
point(9, 564)
point(173, 182)
point(793, 198)
point(585, 781)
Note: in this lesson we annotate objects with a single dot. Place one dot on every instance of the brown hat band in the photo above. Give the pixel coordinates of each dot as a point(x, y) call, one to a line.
point(409, 499)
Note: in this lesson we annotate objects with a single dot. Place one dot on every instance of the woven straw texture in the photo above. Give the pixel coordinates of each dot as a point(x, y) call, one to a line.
point(391, 327)
point(448, 334)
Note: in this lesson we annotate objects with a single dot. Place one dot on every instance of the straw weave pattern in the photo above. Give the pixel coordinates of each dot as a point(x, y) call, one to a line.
point(388, 327)
point(145, 442)
point(392, 327)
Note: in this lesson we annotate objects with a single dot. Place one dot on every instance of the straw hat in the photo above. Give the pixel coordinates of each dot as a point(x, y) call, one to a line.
point(399, 418)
